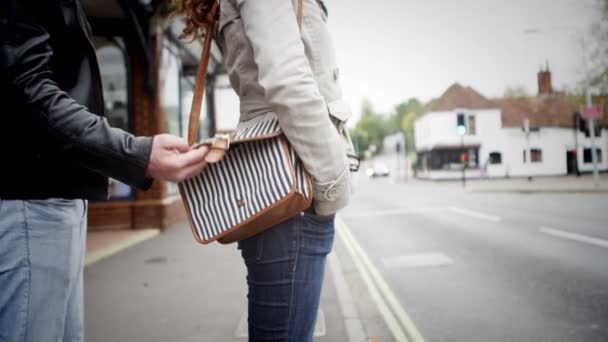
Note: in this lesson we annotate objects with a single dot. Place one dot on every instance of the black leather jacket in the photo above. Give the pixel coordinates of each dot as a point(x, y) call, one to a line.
point(54, 141)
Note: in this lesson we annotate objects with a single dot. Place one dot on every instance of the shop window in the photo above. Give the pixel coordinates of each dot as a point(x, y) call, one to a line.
point(113, 67)
point(451, 159)
point(587, 158)
point(495, 158)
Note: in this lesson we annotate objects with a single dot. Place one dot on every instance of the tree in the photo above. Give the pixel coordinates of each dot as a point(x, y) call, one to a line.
point(412, 105)
point(407, 124)
point(370, 129)
point(516, 92)
point(599, 57)
point(373, 127)
point(408, 113)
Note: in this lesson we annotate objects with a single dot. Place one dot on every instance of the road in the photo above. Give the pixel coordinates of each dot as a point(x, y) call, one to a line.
point(488, 266)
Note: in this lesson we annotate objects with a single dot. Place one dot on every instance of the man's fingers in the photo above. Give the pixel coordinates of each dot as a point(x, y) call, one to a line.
point(191, 171)
point(173, 160)
point(171, 142)
point(193, 157)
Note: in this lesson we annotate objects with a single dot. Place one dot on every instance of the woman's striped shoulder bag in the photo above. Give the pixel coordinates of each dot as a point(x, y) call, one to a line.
point(253, 179)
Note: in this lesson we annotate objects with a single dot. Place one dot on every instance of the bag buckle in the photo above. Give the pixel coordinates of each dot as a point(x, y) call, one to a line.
point(218, 145)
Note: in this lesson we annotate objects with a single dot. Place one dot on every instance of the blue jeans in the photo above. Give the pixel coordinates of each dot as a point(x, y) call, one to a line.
point(42, 244)
point(285, 267)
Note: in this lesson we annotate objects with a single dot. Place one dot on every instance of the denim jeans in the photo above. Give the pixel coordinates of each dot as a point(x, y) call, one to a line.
point(42, 245)
point(285, 268)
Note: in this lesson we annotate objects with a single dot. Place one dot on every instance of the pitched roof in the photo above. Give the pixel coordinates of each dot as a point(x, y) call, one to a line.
point(553, 110)
point(457, 96)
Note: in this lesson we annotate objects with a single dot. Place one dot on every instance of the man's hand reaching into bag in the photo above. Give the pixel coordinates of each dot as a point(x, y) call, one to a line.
point(172, 159)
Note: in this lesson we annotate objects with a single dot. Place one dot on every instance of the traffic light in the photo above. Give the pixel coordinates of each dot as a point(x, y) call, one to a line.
point(460, 124)
point(463, 158)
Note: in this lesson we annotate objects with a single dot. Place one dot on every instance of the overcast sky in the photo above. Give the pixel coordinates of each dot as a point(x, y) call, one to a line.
point(392, 50)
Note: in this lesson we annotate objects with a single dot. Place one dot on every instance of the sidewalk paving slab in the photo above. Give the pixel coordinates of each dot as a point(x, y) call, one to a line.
point(170, 288)
point(102, 244)
point(538, 184)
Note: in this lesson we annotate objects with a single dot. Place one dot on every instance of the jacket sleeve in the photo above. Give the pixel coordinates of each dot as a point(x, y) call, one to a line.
point(86, 137)
point(292, 92)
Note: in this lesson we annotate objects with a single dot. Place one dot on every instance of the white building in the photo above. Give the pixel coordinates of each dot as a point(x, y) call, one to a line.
point(496, 144)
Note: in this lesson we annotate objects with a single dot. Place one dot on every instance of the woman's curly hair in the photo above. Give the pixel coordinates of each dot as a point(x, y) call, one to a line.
point(196, 14)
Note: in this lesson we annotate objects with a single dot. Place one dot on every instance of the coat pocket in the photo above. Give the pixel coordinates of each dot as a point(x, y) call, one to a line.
point(340, 112)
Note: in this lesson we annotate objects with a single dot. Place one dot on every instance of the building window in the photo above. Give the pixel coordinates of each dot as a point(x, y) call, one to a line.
point(587, 158)
point(114, 77)
point(536, 155)
point(451, 159)
point(583, 126)
point(471, 128)
point(495, 158)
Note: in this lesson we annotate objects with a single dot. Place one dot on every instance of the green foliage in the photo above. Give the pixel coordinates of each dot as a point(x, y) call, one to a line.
point(405, 115)
point(373, 127)
point(516, 92)
point(599, 57)
point(370, 130)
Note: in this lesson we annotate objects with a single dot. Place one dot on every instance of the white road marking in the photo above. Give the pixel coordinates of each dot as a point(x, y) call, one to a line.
point(398, 321)
point(475, 214)
point(403, 211)
point(417, 260)
point(575, 237)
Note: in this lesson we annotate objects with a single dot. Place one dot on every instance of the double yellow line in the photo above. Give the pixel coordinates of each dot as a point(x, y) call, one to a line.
point(398, 321)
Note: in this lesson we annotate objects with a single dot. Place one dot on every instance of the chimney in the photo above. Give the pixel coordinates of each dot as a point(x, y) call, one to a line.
point(544, 81)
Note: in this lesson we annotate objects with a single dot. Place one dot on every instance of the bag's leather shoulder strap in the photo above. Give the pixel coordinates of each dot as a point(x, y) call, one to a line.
point(201, 76)
point(201, 73)
point(300, 14)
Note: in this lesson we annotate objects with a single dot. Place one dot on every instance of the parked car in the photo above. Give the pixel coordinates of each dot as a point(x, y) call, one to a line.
point(378, 170)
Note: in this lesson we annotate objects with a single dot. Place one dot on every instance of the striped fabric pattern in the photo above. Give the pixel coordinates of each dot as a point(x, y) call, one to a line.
point(264, 128)
point(250, 178)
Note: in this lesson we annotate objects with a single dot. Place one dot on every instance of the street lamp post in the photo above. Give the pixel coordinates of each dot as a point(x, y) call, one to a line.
point(592, 131)
point(590, 119)
point(464, 161)
point(528, 148)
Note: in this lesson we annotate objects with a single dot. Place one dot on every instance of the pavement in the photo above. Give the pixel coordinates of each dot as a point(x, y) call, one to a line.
point(564, 184)
point(538, 184)
point(153, 286)
point(499, 260)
